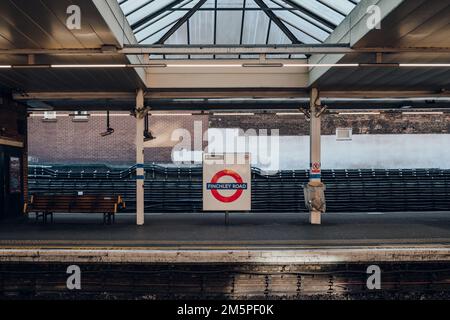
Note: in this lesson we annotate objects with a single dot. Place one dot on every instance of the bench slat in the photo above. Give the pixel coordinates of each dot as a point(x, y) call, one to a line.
point(74, 204)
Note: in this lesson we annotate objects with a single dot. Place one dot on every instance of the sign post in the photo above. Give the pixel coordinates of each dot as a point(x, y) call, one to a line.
point(227, 182)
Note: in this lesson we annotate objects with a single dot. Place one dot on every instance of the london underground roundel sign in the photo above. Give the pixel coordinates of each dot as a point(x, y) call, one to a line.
point(215, 186)
point(226, 182)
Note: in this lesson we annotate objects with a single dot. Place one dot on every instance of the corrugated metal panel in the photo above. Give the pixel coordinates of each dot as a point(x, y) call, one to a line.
point(421, 23)
point(42, 24)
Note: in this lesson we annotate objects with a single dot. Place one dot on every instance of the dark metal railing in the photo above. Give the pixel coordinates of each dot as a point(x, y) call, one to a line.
point(175, 189)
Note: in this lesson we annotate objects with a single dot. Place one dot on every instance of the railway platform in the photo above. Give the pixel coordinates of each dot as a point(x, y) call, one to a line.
point(261, 256)
point(208, 230)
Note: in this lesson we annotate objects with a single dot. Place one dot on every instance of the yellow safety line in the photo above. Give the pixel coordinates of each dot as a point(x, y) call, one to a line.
point(333, 242)
point(215, 248)
point(13, 245)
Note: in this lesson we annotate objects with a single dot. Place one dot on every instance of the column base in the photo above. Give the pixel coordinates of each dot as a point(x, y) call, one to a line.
point(315, 218)
point(140, 219)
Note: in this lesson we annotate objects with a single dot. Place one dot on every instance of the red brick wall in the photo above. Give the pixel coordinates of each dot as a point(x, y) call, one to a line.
point(66, 141)
point(384, 123)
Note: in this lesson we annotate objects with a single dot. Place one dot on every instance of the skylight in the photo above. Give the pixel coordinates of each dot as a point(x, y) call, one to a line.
point(235, 22)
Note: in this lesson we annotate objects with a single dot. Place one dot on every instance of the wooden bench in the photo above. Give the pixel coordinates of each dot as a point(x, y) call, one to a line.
point(46, 205)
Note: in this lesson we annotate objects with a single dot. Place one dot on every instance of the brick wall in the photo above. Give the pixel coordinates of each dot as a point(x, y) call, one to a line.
point(66, 141)
point(294, 125)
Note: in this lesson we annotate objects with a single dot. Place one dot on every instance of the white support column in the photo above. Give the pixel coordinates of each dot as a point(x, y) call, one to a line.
point(315, 138)
point(317, 201)
point(140, 174)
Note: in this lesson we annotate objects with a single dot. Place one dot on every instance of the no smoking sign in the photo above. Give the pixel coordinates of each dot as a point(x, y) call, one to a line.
point(226, 182)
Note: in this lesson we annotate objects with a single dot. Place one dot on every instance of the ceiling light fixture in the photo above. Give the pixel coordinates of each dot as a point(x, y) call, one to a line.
point(262, 65)
point(312, 65)
point(413, 113)
point(233, 114)
point(30, 66)
point(425, 65)
point(358, 113)
point(69, 66)
point(204, 65)
point(171, 114)
point(379, 65)
point(150, 65)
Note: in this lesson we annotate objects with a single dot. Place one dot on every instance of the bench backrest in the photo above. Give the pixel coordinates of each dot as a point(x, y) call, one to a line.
point(69, 203)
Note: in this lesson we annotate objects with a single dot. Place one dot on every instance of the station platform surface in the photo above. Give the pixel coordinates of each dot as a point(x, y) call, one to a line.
point(206, 231)
point(259, 256)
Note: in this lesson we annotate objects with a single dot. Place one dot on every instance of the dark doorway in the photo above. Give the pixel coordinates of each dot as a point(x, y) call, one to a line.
point(2, 183)
point(11, 182)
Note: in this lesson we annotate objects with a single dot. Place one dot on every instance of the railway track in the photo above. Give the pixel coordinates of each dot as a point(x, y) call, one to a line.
point(231, 281)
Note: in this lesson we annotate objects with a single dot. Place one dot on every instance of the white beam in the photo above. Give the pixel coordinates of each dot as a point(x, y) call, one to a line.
point(315, 137)
point(315, 178)
point(74, 95)
point(119, 26)
point(140, 173)
point(211, 74)
point(350, 31)
point(226, 94)
point(320, 49)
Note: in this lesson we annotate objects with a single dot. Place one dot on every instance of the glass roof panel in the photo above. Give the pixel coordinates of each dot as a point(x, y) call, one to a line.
point(234, 22)
point(321, 10)
point(344, 7)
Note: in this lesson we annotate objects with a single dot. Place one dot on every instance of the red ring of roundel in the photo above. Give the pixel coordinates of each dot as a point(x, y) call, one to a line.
point(235, 195)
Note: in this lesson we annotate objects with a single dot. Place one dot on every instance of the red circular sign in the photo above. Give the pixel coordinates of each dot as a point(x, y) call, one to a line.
point(234, 196)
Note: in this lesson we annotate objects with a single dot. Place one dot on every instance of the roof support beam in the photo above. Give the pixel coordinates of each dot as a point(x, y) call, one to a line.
point(160, 29)
point(325, 48)
point(241, 35)
point(233, 93)
point(306, 18)
point(139, 8)
point(180, 22)
point(352, 30)
point(235, 99)
point(272, 16)
point(311, 14)
point(341, 48)
point(215, 23)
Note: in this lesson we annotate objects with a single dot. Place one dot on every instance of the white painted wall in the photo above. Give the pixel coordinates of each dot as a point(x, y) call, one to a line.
point(390, 151)
point(370, 152)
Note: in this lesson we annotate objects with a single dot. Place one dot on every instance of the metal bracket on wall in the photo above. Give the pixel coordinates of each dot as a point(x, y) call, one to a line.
point(141, 112)
point(319, 108)
point(322, 110)
point(306, 113)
